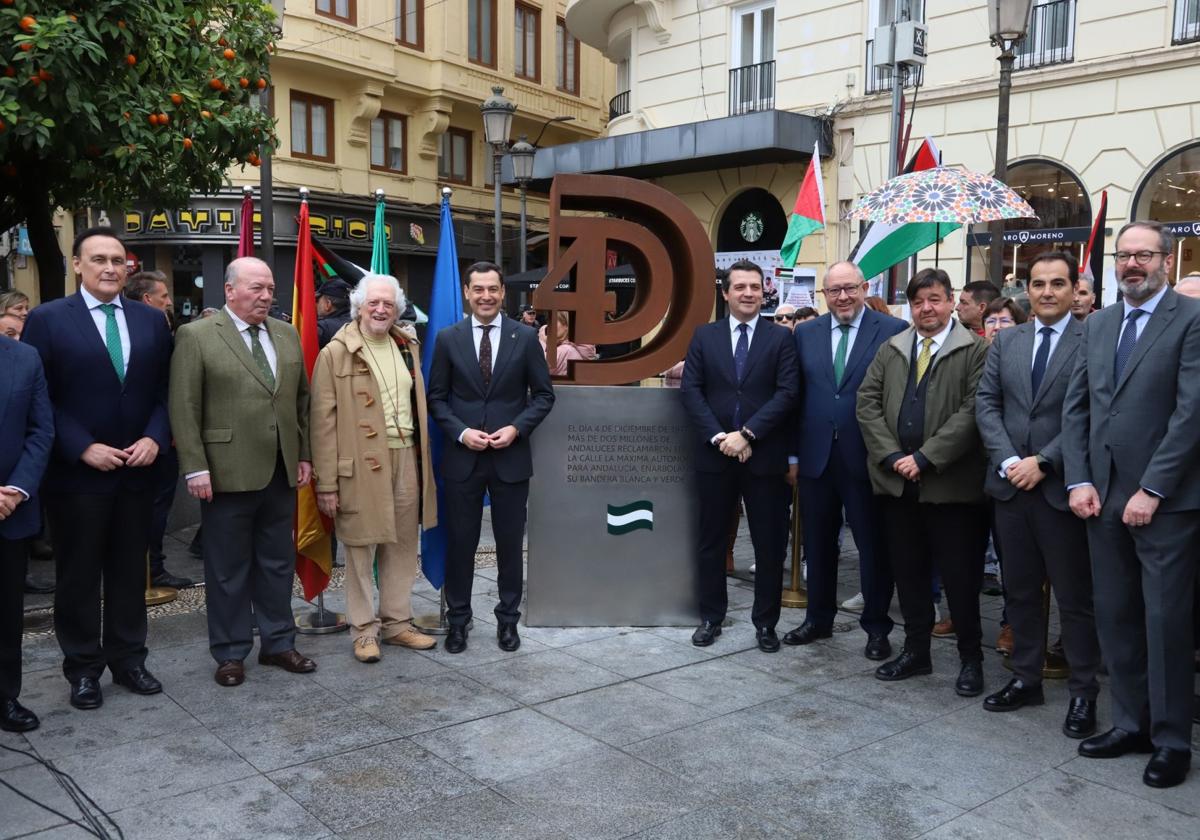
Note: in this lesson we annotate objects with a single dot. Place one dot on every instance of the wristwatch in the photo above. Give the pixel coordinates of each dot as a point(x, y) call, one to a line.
point(746, 433)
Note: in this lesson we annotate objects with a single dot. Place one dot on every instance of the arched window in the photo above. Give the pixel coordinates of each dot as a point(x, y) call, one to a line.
point(1170, 193)
point(753, 221)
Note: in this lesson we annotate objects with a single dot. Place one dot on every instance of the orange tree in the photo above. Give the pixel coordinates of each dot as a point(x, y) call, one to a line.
point(108, 102)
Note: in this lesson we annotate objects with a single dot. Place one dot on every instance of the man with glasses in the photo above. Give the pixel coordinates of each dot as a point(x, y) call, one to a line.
point(834, 352)
point(1131, 477)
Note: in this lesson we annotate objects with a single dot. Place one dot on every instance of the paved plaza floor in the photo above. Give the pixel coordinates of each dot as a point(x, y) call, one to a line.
point(583, 733)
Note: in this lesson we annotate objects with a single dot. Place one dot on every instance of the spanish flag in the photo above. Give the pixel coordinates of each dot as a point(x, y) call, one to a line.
point(314, 549)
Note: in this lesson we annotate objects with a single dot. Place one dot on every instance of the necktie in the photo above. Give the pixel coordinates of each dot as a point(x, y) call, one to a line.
point(923, 358)
point(739, 367)
point(1041, 358)
point(839, 358)
point(112, 339)
point(1125, 345)
point(260, 356)
point(485, 355)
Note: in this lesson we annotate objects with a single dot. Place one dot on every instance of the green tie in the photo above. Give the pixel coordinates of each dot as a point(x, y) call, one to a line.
point(260, 356)
point(112, 339)
point(839, 358)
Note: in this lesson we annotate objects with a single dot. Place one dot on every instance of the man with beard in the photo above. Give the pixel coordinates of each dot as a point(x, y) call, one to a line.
point(1135, 394)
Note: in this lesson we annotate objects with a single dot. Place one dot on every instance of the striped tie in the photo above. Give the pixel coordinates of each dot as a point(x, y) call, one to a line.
point(112, 339)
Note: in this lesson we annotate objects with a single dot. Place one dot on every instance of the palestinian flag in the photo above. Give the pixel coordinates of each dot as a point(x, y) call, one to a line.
point(883, 246)
point(809, 213)
point(625, 518)
point(1093, 259)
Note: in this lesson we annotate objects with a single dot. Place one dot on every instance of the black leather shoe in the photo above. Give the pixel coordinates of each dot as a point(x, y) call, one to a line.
point(170, 581)
point(456, 639)
point(768, 642)
point(1115, 743)
point(1167, 767)
point(970, 679)
point(32, 587)
point(85, 693)
point(904, 666)
point(506, 636)
point(706, 633)
point(16, 718)
point(138, 680)
point(1081, 718)
point(878, 647)
point(806, 634)
point(1013, 696)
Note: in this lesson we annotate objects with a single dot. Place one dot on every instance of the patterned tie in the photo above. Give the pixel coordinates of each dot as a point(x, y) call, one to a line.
point(260, 355)
point(839, 358)
point(1125, 346)
point(1041, 358)
point(112, 339)
point(923, 359)
point(485, 355)
point(739, 368)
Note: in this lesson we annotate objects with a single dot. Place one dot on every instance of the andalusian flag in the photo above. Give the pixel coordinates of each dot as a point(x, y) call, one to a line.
point(314, 549)
point(883, 246)
point(808, 214)
point(631, 517)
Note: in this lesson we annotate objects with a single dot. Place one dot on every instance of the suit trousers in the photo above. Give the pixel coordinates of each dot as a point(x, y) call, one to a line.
point(821, 503)
point(950, 538)
point(397, 561)
point(167, 468)
point(1040, 541)
point(100, 548)
point(463, 502)
point(249, 561)
point(12, 604)
point(1144, 579)
point(766, 500)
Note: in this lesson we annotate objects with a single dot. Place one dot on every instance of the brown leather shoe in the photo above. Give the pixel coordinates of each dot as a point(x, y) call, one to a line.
point(1004, 642)
point(230, 673)
point(289, 660)
point(943, 629)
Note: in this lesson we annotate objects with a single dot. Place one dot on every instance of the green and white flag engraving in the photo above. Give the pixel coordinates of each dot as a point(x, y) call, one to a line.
point(625, 518)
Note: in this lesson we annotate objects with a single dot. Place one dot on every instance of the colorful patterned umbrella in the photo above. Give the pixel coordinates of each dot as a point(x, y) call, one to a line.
point(941, 194)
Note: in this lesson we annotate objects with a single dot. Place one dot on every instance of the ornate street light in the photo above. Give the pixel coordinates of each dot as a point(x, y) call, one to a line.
point(1008, 21)
point(522, 153)
point(497, 112)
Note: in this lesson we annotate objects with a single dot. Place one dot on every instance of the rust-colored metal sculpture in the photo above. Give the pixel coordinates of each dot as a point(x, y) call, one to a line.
point(670, 255)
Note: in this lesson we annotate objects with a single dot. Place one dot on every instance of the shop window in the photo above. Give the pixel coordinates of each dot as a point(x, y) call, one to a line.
point(1170, 194)
point(312, 126)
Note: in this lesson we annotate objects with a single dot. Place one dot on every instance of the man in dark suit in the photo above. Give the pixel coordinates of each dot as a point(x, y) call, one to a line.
point(489, 388)
point(833, 353)
point(1018, 408)
point(26, 434)
point(739, 388)
point(106, 360)
point(1130, 467)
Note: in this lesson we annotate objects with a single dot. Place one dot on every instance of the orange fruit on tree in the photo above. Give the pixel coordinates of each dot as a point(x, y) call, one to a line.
point(222, 41)
point(152, 119)
point(131, 59)
point(35, 80)
point(262, 83)
point(216, 84)
point(244, 82)
point(187, 142)
point(229, 54)
point(27, 23)
point(45, 75)
point(206, 115)
point(120, 24)
point(164, 119)
point(6, 2)
point(176, 99)
point(26, 47)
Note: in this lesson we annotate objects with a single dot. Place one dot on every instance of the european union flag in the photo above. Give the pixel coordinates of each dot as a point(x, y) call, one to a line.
point(445, 308)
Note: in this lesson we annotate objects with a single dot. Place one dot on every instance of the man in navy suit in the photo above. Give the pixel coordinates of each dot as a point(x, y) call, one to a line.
point(26, 433)
point(489, 388)
point(106, 360)
point(739, 388)
point(833, 353)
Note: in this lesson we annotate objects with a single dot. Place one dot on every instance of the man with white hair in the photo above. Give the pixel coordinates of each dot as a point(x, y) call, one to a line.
point(367, 388)
point(239, 413)
point(1189, 285)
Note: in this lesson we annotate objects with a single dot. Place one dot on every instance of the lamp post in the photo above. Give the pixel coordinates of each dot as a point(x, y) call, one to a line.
point(497, 112)
point(1008, 21)
point(522, 153)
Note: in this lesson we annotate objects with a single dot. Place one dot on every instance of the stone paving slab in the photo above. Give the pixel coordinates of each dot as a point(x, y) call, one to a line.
point(625, 713)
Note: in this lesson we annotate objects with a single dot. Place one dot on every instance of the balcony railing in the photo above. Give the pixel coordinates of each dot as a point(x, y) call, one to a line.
point(618, 106)
point(879, 79)
point(1187, 22)
point(752, 88)
point(1051, 36)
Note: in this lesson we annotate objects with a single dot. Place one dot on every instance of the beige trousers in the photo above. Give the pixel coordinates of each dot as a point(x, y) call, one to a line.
point(397, 561)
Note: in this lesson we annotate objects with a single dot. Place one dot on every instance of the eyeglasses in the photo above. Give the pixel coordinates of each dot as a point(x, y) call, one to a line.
point(1142, 257)
point(838, 291)
point(1001, 321)
point(787, 316)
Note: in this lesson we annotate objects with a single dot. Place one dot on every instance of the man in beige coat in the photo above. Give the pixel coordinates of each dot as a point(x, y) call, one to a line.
point(372, 461)
point(239, 414)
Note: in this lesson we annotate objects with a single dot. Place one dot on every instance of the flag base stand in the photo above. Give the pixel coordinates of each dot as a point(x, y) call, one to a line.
point(156, 595)
point(436, 624)
point(795, 596)
point(320, 621)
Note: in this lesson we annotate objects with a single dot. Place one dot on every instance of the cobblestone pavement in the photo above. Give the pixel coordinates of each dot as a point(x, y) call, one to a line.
point(582, 733)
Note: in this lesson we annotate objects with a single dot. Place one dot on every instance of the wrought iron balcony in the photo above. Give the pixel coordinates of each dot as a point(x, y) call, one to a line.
point(1051, 36)
point(1187, 22)
point(752, 88)
point(618, 106)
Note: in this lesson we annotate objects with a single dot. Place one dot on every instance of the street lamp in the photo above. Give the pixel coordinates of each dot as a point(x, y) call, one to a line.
point(1008, 21)
point(522, 153)
point(497, 112)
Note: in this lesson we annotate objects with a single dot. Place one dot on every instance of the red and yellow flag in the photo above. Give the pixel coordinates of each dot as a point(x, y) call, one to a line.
point(314, 549)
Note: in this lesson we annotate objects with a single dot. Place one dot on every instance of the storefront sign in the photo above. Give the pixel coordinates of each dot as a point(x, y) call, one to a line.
point(1183, 230)
point(1047, 236)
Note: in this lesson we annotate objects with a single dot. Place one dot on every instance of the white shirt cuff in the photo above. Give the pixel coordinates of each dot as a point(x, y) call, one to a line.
point(190, 476)
point(1071, 487)
point(1006, 463)
point(20, 490)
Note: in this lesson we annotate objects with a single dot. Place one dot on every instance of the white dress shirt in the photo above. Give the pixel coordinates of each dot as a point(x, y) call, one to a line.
point(735, 333)
point(101, 320)
point(938, 340)
point(1058, 327)
point(835, 335)
point(493, 336)
point(264, 338)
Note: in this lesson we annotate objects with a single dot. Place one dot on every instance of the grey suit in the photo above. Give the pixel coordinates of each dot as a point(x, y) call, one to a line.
point(1142, 431)
point(1039, 536)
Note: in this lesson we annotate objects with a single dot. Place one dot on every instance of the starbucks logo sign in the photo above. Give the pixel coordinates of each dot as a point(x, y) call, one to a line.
point(751, 227)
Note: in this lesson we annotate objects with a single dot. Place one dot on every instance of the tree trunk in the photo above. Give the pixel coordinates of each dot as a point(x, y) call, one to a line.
point(39, 219)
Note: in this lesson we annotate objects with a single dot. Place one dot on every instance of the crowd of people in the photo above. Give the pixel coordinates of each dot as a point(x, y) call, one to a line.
point(1062, 437)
